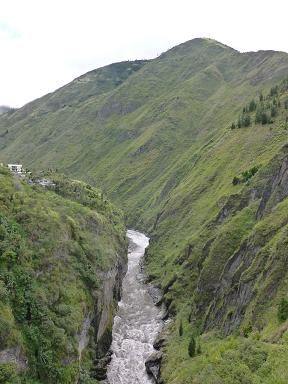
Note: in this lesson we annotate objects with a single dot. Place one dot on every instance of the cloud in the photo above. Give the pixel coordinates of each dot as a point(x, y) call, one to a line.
point(45, 44)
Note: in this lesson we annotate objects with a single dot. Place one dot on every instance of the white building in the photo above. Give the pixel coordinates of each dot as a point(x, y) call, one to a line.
point(17, 168)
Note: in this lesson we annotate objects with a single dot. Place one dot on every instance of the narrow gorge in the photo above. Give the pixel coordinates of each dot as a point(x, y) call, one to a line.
point(137, 322)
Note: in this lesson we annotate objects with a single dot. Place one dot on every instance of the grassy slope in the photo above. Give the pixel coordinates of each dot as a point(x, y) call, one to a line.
point(54, 251)
point(160, 144)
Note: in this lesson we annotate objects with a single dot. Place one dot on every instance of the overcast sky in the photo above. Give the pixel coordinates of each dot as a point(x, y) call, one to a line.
point(46, 43)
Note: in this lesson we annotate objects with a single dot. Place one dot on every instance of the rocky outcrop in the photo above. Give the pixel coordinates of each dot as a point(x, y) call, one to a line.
point(153, 364)
point(276, 188)
point(251, 265)
point(14, 356)
point(83, 336)
point(106, 304)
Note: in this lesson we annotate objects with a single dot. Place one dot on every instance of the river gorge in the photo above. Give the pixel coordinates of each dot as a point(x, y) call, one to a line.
point(137, 322)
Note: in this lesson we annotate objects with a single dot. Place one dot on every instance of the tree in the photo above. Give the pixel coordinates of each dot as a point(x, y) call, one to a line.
point(261, 117)
point(258, 117)
point(286, 104)
point(246, 120)
point(252, 106)
point(192, 347)
point(264, 118)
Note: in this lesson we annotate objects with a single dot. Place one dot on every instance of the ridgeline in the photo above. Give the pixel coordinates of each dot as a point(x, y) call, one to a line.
point(193, 147)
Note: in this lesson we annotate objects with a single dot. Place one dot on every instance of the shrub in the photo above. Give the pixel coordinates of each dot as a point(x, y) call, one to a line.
point(236, 180)
point(7, 372)
point(283, 310)
point(4, 332)
point(261, 117)
point(246, 175)
point(192, 347)
point(181, 328)
point(252, 106)
point(261, 97)
point(3, 293)
point(246, 120)
point(274, 91)
point(199, 349)
point(273, 111)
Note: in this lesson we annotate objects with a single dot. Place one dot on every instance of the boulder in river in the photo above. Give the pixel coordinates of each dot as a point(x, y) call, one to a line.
point(152, 365)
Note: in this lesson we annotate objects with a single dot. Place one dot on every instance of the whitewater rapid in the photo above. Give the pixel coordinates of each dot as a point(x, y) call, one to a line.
point(137, 323)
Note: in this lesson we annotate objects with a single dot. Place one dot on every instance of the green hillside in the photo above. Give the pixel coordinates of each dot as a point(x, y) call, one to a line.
point(192, 146)
point(56, 248)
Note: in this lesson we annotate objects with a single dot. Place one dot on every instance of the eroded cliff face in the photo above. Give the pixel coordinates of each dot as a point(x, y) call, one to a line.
point(238, 262)
point(253, 273)
point(106, 304)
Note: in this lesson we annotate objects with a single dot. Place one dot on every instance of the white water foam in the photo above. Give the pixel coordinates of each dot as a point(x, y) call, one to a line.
point(137, 323)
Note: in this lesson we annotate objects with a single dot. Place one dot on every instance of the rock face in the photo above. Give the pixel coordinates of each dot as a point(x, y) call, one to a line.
point(153, 364)
point(106, 304)
point(14, 356)
point(249, 266)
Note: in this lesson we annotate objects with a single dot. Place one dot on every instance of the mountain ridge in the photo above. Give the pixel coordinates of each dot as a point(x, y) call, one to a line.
point(163, 146)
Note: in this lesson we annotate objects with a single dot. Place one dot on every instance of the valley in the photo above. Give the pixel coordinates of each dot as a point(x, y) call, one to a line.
point(192, 147)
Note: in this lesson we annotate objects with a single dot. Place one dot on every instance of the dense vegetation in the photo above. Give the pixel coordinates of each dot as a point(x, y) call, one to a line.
point(55, 246)
point(213, 199)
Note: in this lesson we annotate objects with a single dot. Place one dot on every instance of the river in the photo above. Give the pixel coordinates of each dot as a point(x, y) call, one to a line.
point(137, 323)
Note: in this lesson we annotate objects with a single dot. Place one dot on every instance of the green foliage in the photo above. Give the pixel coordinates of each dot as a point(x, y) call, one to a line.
point(264, 111)
point(159, 146)
point(283, 310)
point(55, 246)
point(181, 328)
point(244, 120)
point(4, 332)
point(274, 91)
point(236, 180)
point(192, 347)
point(246, 175)
point(261, 117)
point(7, 373)
point(252, 106)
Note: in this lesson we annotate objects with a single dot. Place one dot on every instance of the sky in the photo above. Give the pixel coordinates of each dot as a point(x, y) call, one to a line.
point(47, 43)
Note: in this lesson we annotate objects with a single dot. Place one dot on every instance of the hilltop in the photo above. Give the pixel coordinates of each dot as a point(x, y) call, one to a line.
point(156, 136)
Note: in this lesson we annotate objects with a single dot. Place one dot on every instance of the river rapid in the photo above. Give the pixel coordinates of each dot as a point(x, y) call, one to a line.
point(137, 323)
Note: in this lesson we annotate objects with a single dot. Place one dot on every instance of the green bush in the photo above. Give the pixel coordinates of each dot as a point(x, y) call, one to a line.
point(283, 310)
point(236, 180)
point(192, 347)
point(180, 328)
point(252, 106)
point(246, 175)
point(3, 293)
point(4, 332)
point(7, 373)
